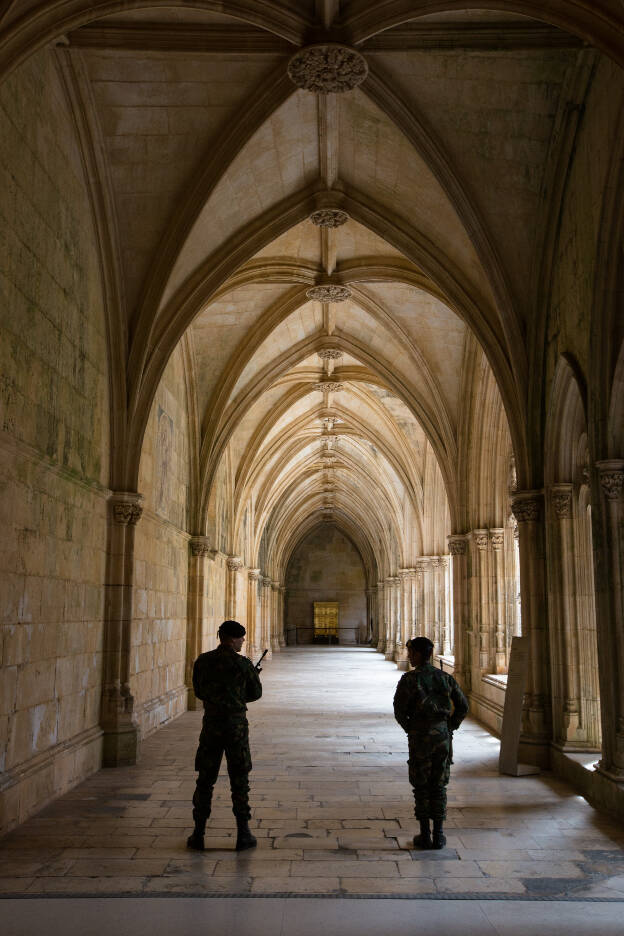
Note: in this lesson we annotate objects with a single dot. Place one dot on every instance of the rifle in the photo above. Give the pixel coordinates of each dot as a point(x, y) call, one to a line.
point(257, 666)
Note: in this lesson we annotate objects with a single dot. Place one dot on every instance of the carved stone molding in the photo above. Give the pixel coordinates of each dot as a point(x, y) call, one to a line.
point(327, 68)
point(480, 538)
point(328, 292)
point(497, 539)
point(253, 575)
point(423, 564)
point(329, 217)
point(329, 354)
point(328, 386)
point(200, 546)
point(527, 506)
point(234, 563)
point(456, 545)
point(127, 507)
point(611, 477)
point(562, 501)
point(266, 581)
point(405, 573)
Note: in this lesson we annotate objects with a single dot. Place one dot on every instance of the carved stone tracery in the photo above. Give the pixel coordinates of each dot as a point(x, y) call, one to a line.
point(329, 292)
point(329, 217)
point(327, 68)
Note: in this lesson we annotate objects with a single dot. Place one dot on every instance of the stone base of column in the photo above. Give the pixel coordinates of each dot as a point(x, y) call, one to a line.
point(121, 746)
point(400, 656)
point(615, 774)
point(535, 751)
point(193, 704)
point(282, 640)
point(389, 654)
point(275, 644)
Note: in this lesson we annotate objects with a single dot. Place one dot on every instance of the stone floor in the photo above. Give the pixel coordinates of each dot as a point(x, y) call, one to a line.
point(331, 809)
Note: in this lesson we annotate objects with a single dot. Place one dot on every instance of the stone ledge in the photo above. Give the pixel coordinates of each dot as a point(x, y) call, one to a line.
point(601, 792)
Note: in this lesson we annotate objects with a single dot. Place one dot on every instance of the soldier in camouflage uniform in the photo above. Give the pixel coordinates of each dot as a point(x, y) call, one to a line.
point(429, 706)
point(225, 681)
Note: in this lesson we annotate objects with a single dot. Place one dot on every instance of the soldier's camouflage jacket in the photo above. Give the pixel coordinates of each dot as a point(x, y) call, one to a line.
point(225, 681)
point(426, 697)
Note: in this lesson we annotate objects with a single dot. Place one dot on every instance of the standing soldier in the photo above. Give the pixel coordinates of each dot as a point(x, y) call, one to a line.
point(225, 681)
point(429, 706)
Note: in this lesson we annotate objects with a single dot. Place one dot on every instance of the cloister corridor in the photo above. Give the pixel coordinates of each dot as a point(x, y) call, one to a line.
point(332, 812)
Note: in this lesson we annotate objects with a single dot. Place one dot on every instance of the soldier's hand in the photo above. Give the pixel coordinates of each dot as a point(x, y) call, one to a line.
point(258, 669)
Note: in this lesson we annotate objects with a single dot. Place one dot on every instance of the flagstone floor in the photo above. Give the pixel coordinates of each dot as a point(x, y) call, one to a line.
point(332, 811)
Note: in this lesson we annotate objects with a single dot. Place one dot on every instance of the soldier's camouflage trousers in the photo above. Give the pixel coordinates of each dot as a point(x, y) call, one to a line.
point(229, 737)
point(429, 771)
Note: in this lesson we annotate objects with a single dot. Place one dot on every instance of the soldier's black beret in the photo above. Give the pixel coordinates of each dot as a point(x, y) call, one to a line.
point(231, 629)
point(421, 645)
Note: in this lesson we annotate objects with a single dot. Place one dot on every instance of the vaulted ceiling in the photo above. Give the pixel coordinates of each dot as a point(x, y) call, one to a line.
point(430, 174)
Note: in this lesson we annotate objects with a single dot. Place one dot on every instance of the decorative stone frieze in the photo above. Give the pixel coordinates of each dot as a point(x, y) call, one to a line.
point(327, 68)
point(328, 386)
point(200, 546)
point(329, 354)
point(611, 474)
point(329, 217)
point(527, 506)
point(329, 292)
point(457, 545)
point(234, 563)
point(127, 507)
point(480, 538)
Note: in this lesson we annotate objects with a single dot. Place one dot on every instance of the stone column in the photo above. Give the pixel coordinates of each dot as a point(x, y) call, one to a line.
point(458, 549)
point(381, 621)
point(480, 540)
point(498, 603)
point(281, 600)
point(275, 624)
point(265, 617)
point(402, 632)
point(234, 564)
point(198, 559)
point(253, 646)
point(370, 616)
point(118, 721)
point(444, 606)
point(527, 508)
point(420, 627)
point(610, 619)
point(389, 602)
point(564, 658)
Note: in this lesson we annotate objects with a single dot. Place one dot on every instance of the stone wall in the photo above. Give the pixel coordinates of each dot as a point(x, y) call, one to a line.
point(161, 556)
point(325, 567)
point(54, 444)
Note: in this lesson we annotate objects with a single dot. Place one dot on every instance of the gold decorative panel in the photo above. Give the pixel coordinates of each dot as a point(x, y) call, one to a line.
point(326, 618)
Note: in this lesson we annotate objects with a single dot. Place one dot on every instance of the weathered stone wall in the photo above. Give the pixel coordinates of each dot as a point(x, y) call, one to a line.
point(54, 446)
point(161, 556)
point(325, 567)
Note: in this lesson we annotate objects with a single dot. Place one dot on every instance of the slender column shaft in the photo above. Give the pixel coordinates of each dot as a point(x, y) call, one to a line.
point(459, 562)
point(497, 558)
point(381, 617)
point(198, 561)
point(527, 507)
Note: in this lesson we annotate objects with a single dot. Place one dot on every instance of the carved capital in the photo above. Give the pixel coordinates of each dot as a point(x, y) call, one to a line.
point(423, 564)
point(253, 575)
point(561, 497)
point(234, 563)
point(527, 506)
point(611, 474)
point(456, 545)
point(126, 507)
point(497, 539)
point(266, 581)
point(275, 586)
point(480, 538)
point(329, 292)
point(200, 546)
point(329, 217)
point(327, 68)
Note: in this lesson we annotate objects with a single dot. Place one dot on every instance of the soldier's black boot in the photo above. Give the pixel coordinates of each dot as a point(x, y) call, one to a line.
point(244, 839)
point(424, 839)
point(439, 839)
point(196, 839)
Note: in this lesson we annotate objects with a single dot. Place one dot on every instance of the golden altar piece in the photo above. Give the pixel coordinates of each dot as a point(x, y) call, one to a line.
point(326, 618)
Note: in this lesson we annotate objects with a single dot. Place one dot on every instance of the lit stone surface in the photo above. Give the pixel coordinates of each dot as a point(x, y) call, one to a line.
point(332, 809)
